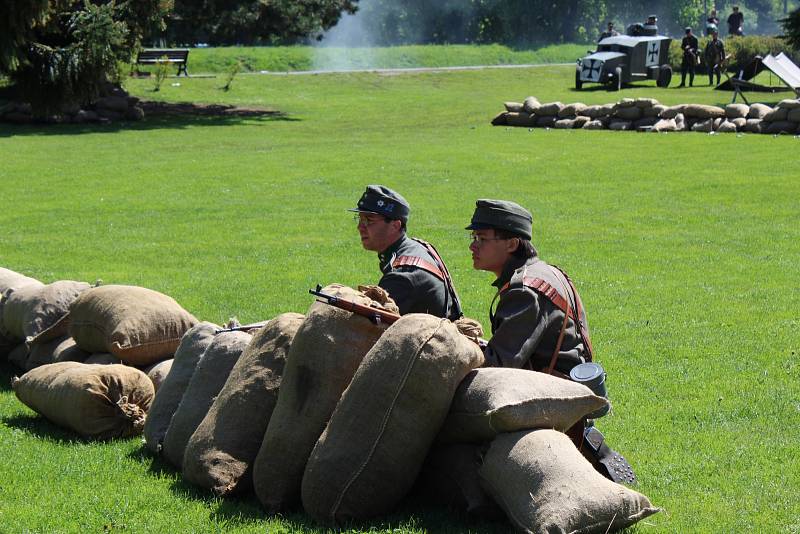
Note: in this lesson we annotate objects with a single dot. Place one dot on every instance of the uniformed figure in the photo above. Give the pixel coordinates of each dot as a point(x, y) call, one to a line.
point(714, 56)
point(712, 22)
point(610, 32)
point(414, 274)
point(538, 320)
point(689, 45)
point(537, 317)
point(650, 26)
point(736, 22)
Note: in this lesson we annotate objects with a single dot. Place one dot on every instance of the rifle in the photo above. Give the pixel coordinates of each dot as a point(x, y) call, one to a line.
point(242, 328)
point(376, 315)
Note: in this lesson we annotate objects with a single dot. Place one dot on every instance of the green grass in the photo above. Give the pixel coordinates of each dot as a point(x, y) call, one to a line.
point(685, 248)
point(298, 58)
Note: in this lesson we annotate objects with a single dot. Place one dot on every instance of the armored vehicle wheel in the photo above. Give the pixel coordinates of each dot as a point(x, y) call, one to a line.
point(578, 82)
point(664, 76)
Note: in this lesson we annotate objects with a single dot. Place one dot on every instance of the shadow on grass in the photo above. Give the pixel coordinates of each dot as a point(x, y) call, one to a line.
point(412, 513)
point(159, 116)
point(41, 428)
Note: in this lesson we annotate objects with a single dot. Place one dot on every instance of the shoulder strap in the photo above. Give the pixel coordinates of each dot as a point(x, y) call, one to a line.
point(415, 261)
point(448, 280)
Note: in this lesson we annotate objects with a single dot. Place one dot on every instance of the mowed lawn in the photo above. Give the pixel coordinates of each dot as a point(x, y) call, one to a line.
point(685, 248)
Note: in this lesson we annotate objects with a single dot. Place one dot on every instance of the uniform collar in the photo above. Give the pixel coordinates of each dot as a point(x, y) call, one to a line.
point(386, 257)
point(509, 269)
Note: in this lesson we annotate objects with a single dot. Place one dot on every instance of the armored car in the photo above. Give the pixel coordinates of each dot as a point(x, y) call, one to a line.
point(623, 59)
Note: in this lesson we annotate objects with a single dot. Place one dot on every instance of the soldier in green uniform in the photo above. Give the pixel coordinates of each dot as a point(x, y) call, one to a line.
point(413, 272)
point(714, 54)
point(537, 318)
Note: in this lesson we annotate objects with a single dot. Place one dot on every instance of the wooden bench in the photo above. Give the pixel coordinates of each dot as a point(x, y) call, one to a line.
point(154, 56)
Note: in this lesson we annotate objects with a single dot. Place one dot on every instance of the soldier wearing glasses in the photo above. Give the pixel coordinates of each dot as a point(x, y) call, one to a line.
point(538, 321)
point(413, 273)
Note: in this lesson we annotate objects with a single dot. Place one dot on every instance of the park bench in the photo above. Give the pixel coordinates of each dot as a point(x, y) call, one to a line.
point(155, 56)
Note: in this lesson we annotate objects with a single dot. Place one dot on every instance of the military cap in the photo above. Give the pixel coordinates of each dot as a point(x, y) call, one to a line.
point(383, 201)
point(687, 29)
point(502, 215)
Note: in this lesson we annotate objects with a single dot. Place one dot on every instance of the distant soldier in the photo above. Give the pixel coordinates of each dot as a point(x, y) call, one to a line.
point(712, 22)
point(650, 26)
point(690, 46)
point(413, 273)
point(610, 32)
point(539, 322)
point(714, 55)
point(736, 22)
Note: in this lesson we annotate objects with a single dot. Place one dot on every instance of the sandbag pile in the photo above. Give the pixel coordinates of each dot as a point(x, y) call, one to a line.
point(647, 114)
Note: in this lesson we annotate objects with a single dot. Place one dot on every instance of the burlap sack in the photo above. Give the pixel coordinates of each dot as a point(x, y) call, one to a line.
point(619, 125)
point(793, 115)
point(625, 103)
point(190, 352)
point(717, 122)
point(595, 124)
point(61, 349)
point(9, 281)
point(726, 127)
point(680, 122)
point(545, 121)
point(500, 119)
point(789, 103)
point(18, 356)
point(31, 309)
point(221, 451)
point(96, 401)
point(546, 485)
point(644, 122)
point(654, 111)
point(520, 119)
point(324, 355)
point(735, 111)
point(449, 477)
point(158, 372)
point(754, 126)
point(705, 126)
point(550, 109)
point(777, 114)
point(377, 439)
point(571, 110)
point(740, 123)
point(629, 113)
point(565, 124)
point(781, 127)
point(672, 111)
point(531, 105)
point(665, 125)
point(758, 111)
point(645, 103)
point(210, 375)
point(580, 121)
point(597, 111)
point(514, 107)
point(702, 111)
point(501, 399)
point(102, 358)
point(139, 325)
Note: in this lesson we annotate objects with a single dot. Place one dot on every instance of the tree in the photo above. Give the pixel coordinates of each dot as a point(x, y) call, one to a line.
point(59, 53)
point(791, 28)
point(220, 22)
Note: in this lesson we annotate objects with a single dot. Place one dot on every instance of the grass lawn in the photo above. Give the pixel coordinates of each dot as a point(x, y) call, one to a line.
point(685, 248)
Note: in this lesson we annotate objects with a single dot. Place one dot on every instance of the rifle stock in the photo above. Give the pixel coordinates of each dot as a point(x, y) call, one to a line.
point(376, 315)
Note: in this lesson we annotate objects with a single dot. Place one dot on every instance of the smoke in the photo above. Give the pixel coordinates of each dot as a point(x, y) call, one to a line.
point(347, 45)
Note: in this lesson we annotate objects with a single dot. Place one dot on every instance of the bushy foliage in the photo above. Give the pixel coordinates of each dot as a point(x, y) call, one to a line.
point(791, 28)
point(60, 53)
point(741, 50)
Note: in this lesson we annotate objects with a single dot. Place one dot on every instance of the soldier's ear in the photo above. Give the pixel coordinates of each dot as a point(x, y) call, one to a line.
point(512, 245)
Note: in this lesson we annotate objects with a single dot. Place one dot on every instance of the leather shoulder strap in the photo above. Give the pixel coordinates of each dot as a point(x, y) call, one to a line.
point(414, 261)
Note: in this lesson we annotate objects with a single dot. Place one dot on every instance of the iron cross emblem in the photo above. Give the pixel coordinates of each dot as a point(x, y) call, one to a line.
point(589, 68)
point(652, 54)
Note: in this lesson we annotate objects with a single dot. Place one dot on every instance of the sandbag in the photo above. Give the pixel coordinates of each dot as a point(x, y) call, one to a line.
point(654, 111)
point(776, 115)
point(515, 107)
point(377, 439)
point(597, 111)
point(520, 119)
point(680, 122)
point(324, 355)
point(31, 309)
point(758, 111)
point(96, 401)
point(580, 121)
point(449, 477)
point(565, 124)
point(789, 103)
point(735, 111)
point(571, 110)
point(717, 122)
point(158, 372)
point(544, 484)
point(18, 356)
point(139, 325)
point(190, 351)
point(210, 375)
point(645, 102)
point(625, 103)
point(220, 453)
point(644, 122)
point(702, 111)
point(665, 125)
point(629, 113)
point(60, 349)
point(619, 125)
point(753, 126)
point(500, 399)
point(781, 127)
point(726, 127)
point(672, 111)
point(595, 124)
point(793, 115)
point(9, 281)
point(501, 119)
point(102, 358)
point(545, 121)
point(740, 123)
point(705, 126)
point(549, 109)
point(531, 105)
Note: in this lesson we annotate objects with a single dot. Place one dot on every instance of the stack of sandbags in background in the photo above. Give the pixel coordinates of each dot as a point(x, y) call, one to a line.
point(9, 281)
point(325, 353)
point(377, 438)
point(220, 452)
point(647, 114)
point(96, 401)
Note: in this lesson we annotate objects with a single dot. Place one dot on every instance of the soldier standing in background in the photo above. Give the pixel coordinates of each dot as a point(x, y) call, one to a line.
point(610, 32)
point(689, 45)
point(736, 22)
point(714, 55)
point(712, 22)
point(413, 273)
point(539, 322)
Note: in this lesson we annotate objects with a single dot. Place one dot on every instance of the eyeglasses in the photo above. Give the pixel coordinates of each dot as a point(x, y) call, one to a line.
point(480, 240)
point(365, 220)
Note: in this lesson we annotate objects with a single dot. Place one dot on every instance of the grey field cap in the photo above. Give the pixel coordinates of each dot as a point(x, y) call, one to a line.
point(502, 215)
point(383, 201)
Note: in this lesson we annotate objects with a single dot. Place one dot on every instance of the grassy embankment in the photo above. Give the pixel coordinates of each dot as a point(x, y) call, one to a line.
point(685, 247)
